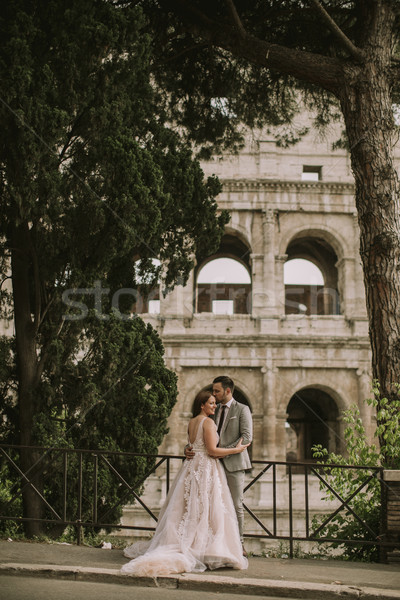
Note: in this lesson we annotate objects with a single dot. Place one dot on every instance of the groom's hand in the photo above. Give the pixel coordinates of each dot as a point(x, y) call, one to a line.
point(189, 452)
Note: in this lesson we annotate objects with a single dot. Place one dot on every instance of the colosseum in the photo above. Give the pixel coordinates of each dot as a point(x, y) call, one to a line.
point(280, 308)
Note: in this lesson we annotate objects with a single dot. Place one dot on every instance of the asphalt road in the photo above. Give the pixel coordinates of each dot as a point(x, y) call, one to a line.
point(35, 588)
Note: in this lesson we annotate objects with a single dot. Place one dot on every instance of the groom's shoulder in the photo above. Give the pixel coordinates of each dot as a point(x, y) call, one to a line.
point(240, 406)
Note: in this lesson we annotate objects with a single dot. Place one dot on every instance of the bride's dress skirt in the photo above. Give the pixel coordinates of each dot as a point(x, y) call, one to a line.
point(197, 528)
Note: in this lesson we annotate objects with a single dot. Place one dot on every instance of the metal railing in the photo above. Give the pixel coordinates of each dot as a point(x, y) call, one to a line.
point(313, 531)
point(275, 496)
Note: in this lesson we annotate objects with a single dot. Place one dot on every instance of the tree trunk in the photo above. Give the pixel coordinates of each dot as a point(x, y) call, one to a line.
point(366, 104)
point(27, 374)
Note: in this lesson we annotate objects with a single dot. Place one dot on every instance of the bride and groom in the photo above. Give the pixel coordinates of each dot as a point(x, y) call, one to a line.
point(200, 525)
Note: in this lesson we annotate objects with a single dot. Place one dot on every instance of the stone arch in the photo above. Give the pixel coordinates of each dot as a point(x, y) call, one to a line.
point(331, 236)
point(320, 249)
point(239, 233)
point(223, 296)
point(313, 417)
point(336, 393)
point(234, 244)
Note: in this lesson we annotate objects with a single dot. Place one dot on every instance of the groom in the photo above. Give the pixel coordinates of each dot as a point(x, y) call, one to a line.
point(233, 421)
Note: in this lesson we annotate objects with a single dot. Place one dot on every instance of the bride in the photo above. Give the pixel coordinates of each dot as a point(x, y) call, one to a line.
point(197, 527)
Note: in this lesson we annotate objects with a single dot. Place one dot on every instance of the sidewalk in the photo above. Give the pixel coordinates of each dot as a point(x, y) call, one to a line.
point(308, 579)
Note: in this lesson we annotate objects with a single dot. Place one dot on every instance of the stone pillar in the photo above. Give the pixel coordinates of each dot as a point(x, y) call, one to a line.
point(269, 263)
point(345, 267)
point(392, 514)
point(269, 418)
point(280, 429)
point(259, 293)
point(280, 283)
point(257, 447)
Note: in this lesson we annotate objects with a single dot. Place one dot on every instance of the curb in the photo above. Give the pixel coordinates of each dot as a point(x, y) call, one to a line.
point(193, 582)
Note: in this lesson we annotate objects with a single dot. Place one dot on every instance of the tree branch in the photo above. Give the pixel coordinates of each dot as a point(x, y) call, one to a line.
point(235, 17)
point(347, 43)
point(179, 54)
point(45, 352)
point(306, 66)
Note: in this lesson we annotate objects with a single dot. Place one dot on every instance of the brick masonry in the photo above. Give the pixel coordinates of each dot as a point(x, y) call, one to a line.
point(392, 480)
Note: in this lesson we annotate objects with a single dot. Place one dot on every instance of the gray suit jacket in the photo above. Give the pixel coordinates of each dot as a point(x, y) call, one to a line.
point(237, 424)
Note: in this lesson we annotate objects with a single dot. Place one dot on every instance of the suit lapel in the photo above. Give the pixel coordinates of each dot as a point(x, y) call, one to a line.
point(231, 413)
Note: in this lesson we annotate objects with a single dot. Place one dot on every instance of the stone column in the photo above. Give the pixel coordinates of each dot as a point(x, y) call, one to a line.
point(269, 418)
point(259, 293)
point(280, 429)
point(280, 283)
point(348, 300)
point(269, 263)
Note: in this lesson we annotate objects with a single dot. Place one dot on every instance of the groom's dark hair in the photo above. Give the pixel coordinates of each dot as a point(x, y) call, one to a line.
point(225, 381)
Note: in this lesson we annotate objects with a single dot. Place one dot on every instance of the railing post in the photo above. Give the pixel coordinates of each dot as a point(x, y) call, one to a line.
point(274, 497)
point(307, 502)
point(168, 475)
point(95, 473)
point(79, 521)
point(290, 512)
point(65, 484)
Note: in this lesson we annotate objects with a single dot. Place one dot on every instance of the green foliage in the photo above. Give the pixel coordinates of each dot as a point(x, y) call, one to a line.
point(115, 394)
point(89, 170)
point(214, 83)
point(8, 378)
point(388, 426)
point(359, 451)
point(7, 491)
point(93, 177)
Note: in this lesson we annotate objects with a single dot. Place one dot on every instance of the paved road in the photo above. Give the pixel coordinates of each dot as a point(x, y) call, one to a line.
point(33, 588)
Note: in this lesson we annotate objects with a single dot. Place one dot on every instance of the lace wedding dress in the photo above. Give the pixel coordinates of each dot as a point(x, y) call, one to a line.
point(197, 528)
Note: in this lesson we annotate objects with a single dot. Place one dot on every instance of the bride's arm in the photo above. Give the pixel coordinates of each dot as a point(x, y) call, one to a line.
point(210, 440)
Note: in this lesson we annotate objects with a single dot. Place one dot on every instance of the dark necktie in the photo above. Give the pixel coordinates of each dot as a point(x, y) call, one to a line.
point(221, 419)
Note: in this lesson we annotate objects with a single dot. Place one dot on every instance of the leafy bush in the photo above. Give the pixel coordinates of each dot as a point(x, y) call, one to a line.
point(115, 395)
point(7, 491)
point(360, 452)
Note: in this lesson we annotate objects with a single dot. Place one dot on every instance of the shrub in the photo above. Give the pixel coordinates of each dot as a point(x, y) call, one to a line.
point(360, 452)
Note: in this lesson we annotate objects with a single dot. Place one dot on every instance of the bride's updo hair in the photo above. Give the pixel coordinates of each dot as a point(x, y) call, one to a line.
point(199, 401)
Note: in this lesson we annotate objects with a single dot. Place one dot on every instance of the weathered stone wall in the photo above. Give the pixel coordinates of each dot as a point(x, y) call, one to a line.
point(272, 355)
point(269, 354)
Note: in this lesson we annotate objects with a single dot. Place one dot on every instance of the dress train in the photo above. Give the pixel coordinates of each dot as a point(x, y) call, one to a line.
point(197, 528)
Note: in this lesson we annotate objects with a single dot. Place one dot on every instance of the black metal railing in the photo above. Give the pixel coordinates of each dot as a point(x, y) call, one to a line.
point(282, 475)
point(279, 506)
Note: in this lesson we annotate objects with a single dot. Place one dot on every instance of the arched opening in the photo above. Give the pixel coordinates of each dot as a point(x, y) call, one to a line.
point(312, 418)
point(223, 281)
point(147, 279)
point(311, 278)
point(223, 287)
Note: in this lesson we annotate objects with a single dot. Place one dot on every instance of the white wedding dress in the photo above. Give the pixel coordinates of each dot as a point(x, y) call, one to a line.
point(197, 527)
